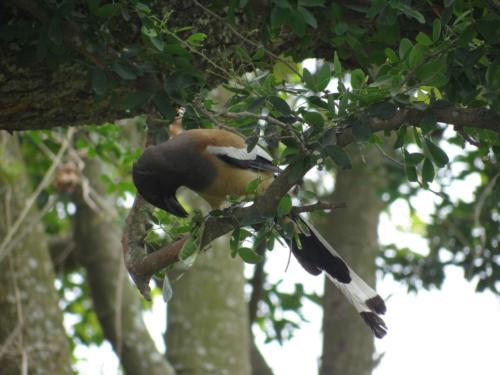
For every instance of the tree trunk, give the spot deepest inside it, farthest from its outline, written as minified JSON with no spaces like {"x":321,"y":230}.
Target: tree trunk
{"x":347,"y":343}
{"x":32,"y":336}
{"x":116,"y":302}
{"x":208,"y":318}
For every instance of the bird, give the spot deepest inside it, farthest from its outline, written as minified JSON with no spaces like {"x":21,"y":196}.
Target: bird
{"x":216,"y":163}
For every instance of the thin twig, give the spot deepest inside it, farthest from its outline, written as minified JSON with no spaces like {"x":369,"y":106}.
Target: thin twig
{"x":467,"y":137}
{"x":8,"y":341}
{"x":245,"y":39}
{"x":385,"y":155}
{"x":319,"y":206}
{"x":118,"y":309}
{"x":31,"y":200}
{"x":28,"y":226}
{"x":20,"y":318}
{"x":200,"y":108}
{"x":286,"y":127}
{"x":226,"y":75}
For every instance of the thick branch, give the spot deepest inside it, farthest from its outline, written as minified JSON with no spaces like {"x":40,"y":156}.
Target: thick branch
{"x":479,"y":118}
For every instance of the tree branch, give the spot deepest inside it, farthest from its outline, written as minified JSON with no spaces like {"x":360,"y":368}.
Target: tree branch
{"x":478,"y":118}
{"x":142,"y":266}
{"x":318,"y":206}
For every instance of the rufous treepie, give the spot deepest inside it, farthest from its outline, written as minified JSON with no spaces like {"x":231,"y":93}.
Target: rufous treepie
{"x":215,"y":164}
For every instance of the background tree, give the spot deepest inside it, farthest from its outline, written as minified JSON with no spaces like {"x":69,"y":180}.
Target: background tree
{"x":428,"y":72}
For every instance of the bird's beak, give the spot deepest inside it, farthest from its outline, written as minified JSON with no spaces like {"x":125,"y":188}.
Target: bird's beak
{"x":173,"y":206}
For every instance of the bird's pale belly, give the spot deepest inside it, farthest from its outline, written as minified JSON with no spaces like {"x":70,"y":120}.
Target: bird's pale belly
{"x":233,"y":181}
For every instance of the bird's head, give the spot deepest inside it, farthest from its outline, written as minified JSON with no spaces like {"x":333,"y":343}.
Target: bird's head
{"x":155,"y":184}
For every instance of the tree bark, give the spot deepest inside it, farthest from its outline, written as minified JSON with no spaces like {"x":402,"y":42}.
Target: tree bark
{"x":116,"y":302}
{"x":208,"y":318}
{"x":32,"y":336}
{"x":347,"y":343}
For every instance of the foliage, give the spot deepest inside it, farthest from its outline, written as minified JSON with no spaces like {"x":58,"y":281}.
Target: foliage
{"x":373,"y":64}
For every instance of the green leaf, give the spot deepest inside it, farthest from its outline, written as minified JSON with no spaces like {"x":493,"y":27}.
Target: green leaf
{"x":428,"y":170}
{"x":313,"y":118}
{"x":134,"y":100}
{"x":107,"y":10}
{"x":408,"y":11}
{"x":331,"y":104}
{"x":285,"y":205}
{"x":249,"y":255}
{"x":391,"y":55}
{"x":124,"y":71}
{"x":339,"y":156}
{"x":361,"y":131}
{"x":158,"y":42}
{"x":329,"y":137}
{"x":323,"y":77}
{"x":188,"y":248}
{"x":344,"y":101}
{"x":357,"y":78}
{"x":467,"y":35}
{"x":414,"y":158}
{"x":436,"y":30}
{"x":99,"y":82}
{"x":417,"y":137}
{"x":282,"y":3}
{"x":400,"y":140}
{"x":165,"y":107}
{"x":375,"y":7}
{"x":142,"y":8}
{"x":428,"y":122}
{"x":431,"y":70}
{"x":438,"y":155}
{"x":280,"y":105}
{"x":411,"y":173}
{"x":297,"y":171}
{"x":252,"y":186}
{"x":417,"y":55}
{"x":308,"y":17}
{"x":196,"y":40}
{"x":278,"y":17}
{"x":234,"y":243}
{"x":423,"y":39}
{"x":405,"y":47}
{"x":297,"y":22}
{"x":336,"y":65}
{"x":149,"y":31}
{"x":309,"y":80}
{"x":238,"y":235}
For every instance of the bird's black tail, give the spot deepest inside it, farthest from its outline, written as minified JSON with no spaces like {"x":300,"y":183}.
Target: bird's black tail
{"x":316,"y":255}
